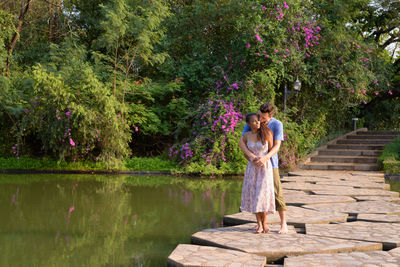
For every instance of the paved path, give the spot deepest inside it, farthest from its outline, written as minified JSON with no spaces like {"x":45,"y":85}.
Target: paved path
{"x":342,"y":218}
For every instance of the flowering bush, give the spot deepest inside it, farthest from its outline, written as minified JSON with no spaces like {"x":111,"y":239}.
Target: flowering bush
{"x":73,"y":116}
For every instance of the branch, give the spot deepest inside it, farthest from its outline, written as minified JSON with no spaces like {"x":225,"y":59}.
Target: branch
{"x":53,"y":4}
{"x":14,"y":40}
{"x":380,"y":32}
{"x":392,"y":39}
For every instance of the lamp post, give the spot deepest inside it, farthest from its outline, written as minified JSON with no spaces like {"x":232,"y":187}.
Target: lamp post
{"x":296,"y":87}
{"x":355,"y":123}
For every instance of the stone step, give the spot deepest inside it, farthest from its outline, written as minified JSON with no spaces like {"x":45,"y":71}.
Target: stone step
{"x":373,"y":137}
{"x":356,"y":147}
{"x":378,"y":133}
{"x":363,"y":141}
{"x":349,"y":159}
{"x":346,"y":152}
{"x":340,"y":166}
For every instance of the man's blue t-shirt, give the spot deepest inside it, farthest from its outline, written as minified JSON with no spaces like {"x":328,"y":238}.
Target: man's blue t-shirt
{"x":277,"y":129}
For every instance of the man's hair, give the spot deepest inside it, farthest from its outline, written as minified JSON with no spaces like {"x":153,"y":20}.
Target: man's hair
{"x":267,"y":108}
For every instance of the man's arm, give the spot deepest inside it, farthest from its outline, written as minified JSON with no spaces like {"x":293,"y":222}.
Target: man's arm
{"x":275,"y":148}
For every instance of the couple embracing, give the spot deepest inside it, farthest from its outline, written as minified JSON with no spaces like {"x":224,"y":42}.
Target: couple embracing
{"x":262,"y":191}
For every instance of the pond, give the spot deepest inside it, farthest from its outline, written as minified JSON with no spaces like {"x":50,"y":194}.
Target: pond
{"x":395,"y":186}
{"x":94,"y":220}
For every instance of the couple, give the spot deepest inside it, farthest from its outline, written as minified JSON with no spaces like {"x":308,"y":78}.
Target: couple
{"x":262,"y":190}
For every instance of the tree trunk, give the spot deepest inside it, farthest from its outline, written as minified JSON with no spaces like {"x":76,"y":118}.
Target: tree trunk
{"x":22,"y":13}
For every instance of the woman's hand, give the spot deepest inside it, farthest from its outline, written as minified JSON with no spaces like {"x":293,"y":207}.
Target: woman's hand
{"x":261,"y":161}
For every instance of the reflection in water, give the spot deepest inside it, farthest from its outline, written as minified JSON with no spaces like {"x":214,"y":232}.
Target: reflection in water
{"x":81,"y":220}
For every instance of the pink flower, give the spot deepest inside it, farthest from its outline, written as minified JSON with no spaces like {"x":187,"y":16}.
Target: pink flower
{"x":364,"y":91}
{"x":58,"y":118}
{"x":276,"y":50}
{"x":258,"y":38}
{"x":376,"y":93}
{"x":285,"y":5}
{"x":71,"y":209}
{"x":71,"y":142}
{"x":248,"y":46}
{"x":390,"y":92}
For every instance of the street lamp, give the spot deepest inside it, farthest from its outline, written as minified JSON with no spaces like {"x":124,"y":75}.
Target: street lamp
{"x":296,"y":87}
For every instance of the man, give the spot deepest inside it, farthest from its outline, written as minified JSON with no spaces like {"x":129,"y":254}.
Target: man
{"x":266,"y":113}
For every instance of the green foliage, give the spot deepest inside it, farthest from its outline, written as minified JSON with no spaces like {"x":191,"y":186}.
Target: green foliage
{"x":383,"y":115}
{"x":7,"y":29}
{"x":72,"y":113}
{"x":28,"y":163}
{"x":389,"y":160}
{"x":150,"y":164}
{"x":140,"y":75}
{"x":156,"y":108}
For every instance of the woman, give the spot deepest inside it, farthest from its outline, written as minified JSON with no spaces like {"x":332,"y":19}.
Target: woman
{"x":258,"y":184}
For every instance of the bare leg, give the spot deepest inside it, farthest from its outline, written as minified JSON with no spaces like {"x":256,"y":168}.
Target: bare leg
{"x":264,"y":222}
{"x":284,"y":229}
{"x":259,"y":223}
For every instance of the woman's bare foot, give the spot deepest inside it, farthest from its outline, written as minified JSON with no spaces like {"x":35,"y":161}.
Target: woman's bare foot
{"x":259,"y":231}
{"x":254,"y":228}
{"x":265,"y":229}
{"x":284,"y":229}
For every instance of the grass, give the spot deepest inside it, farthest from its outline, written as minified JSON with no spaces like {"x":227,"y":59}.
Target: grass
{"x":131,"y":164}
{"x":389,"y":160}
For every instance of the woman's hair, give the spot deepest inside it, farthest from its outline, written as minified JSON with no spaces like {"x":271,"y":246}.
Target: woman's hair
{"x":249,"y":115}
{"x":267,"y":108}
{"x":264,"y":134}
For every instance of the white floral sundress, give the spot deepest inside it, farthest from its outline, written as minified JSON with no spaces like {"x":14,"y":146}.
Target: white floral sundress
{"x":258,"y":183}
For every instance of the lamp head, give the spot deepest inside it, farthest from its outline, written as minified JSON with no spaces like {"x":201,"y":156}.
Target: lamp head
{"x":297,"y":85}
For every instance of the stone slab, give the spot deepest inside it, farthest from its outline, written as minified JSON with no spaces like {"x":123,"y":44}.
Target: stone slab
{"x":390,"y":199}
{"x":306,"y":199}
{"x":376,"y":207}
{"x":319,"y":173}
{"x":194,"y":255}
{"x":395,"y":251}
{"x":356,"y":192}
{"x":295,"y":216}
{"x":345,"y":175}
{"x":374,"y":258}
{"x":306,"y":179}
{"x":365,"y":179}
{"x":368,"y":173}
{"x":379,"y":218}
{"x":310,"y":187}
{"x":275,"y":246}
{"x":293,"y":192}
{"x":356,"y":184}
{"x":386,"y":233}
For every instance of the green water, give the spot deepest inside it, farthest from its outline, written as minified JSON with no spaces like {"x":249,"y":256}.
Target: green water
{"x":87,"y":220}
{"x":395,"y":186}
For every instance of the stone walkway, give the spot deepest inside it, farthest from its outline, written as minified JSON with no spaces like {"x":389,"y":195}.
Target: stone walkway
{"x":342,"y":218}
